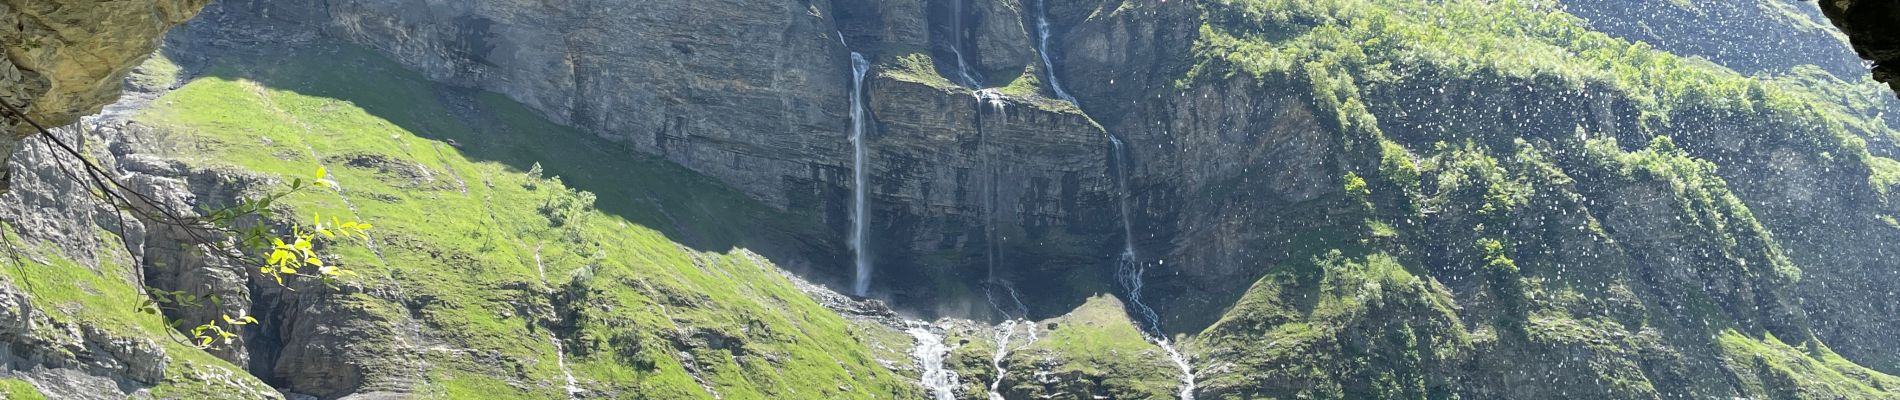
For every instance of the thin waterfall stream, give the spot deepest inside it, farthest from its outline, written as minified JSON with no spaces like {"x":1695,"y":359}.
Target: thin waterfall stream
{"x":1042,"y":49}
{"x":1003,"y":334}
{"x":572,"y":385}
{"x":1007,"y":332}
{"x":1128,"y":269}
{"x":956,"y":46}
{"x":860,"y":238}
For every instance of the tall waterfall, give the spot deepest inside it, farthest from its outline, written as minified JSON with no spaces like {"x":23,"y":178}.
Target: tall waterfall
{"x":930,"y":351}
{"x":1128,"y":268}
{"x":861,"y":283}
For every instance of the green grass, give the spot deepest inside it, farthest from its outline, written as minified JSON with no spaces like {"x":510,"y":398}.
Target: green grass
{"x":1354,"y":46}
{"x":481,"y":223}
{"x":916,"y":67}
{"x":1096,"y":351}
{"x":1769,"y":368}
{"x":1336,"y":325}
{"x":1886,"y":174}
{"x":1025,"y":88}
{"x":105,"y":297}
{"x":15,"y":389}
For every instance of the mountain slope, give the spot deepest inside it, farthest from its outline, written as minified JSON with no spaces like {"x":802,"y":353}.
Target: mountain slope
{"x":491,"y":273}
{"x":1521,"y":163}
{"x":1327,"y":199}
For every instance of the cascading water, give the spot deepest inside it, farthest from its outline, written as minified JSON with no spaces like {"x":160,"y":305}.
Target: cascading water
{"x":1128,"y":268}
{"x":1003,"y":334}
{"x":1187,"y":370}
{"x":1042,"y":49}
{"x":573,"y":386}
{"x":930,"y":351}
{"x":1006,"y":331}
{"x":956,"y":46}
{"x":861,"y":283}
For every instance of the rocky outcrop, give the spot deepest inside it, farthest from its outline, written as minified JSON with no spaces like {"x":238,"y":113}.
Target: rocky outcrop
{"x":68,"y":58}
{"x":1871,"y":26}
{"x":972,"y":190}
{"x":78,"y":337}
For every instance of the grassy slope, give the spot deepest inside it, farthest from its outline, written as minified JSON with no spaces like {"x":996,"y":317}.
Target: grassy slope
{"x":1095,"y":350}
{"x":477,"y":246}
{"x":15,"y":389}
{"x":105,"y":297}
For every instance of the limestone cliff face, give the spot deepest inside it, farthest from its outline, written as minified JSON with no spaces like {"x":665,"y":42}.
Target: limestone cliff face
{"x":64,"y":59}
{"x":756,"y":95}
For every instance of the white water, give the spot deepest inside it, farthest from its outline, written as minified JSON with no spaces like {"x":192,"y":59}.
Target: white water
{"x":861,"y":284}
{"x":560,"y":351}
{"x":560,"y":358}
{"x":992,"y":97}
{"x":929,"y":353}
{"x":1187,"y":370}
{"x":1129,"y":271}
{"x":956,"y":46}
{"x":1042,"y":48}
{"x":1003,"y":335}
{"x":1128,"y":267}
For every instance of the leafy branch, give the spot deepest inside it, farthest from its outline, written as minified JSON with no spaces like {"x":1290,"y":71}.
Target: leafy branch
{"x":294,"y":255}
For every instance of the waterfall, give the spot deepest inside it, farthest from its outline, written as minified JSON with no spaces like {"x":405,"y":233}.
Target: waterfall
{"x":1003,"y":335}
{"x":861,"y":284}
{"x":1042,"y":49}
{"x":1180,"y":361}
{"x":993,"y":98}
{"x":1128,"y":269}
{"x":930,"y":351}
{"x":956,"y":46}
{"x":1006,"y":332}
{"x":1129,"y":272}
{"x":573,"y":386}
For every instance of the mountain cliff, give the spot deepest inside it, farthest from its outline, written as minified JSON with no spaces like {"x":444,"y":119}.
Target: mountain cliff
{"x":1062,"y":199}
